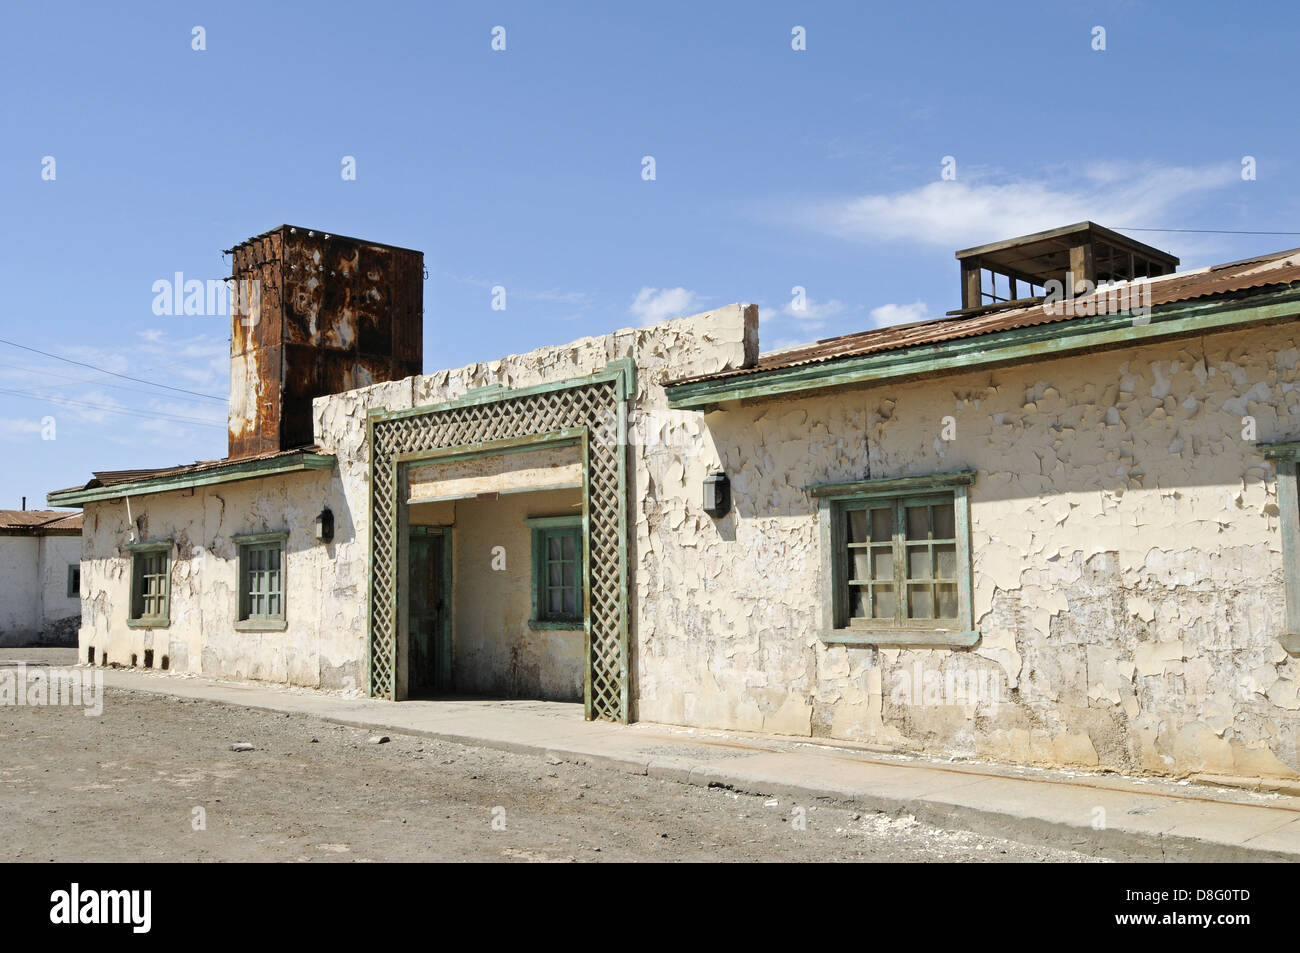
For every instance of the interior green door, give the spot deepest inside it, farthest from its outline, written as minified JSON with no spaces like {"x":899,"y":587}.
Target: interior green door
{"x":429,"y":612}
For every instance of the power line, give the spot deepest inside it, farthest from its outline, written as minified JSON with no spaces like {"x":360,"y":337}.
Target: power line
{"x":81,"y":380}
{"x":1202,"y":231}
{"x":108,"y":408}
{"x":125,"y":377}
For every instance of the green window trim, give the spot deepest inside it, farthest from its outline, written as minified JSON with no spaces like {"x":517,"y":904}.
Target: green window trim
{"x":151,"y":571}
{"x":74,"y":581}
{"x":558,"y":573}
{"x":1285,"y":457}
{"x":262,"y":588}
{"x":871,"y":546}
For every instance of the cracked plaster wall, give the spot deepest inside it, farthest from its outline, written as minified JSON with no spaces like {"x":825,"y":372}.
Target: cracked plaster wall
{"x":325,"y":598}
{"x":1128,"y":576}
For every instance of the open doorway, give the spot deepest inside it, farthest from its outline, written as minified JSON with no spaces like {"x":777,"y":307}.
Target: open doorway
{"x":494,"y":574}
{"x":429,"y":611}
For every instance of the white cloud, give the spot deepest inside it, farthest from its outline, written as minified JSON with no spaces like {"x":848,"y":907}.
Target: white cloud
{"x":653,"y":305}
{"x":20,"y":426}
{"x":890,"y":314}
{"x":974,"y":211}
{"x":814,"y":313}
{"x":785,"y":344}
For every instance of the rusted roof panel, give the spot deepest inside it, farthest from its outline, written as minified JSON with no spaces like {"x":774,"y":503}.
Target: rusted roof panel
{"x":119,"y":477}
{"x":1280,"y":268}
{"x":39,"y":521}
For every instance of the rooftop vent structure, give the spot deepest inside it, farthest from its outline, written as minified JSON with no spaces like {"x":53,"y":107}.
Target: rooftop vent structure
{"x":1013,"y":273}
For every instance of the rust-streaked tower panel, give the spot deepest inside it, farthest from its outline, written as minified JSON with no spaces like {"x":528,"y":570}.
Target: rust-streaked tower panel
{"x":328,"y":314}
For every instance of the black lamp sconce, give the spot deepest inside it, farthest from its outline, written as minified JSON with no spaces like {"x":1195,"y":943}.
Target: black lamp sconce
{"x":717,"y":494}
{"x":325,"y":526}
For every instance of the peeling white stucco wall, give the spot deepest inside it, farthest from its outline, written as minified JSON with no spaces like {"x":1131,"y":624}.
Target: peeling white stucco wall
{"x":34,"y":604}
{"x":1128,"y":577}
{"x":325,"y":583}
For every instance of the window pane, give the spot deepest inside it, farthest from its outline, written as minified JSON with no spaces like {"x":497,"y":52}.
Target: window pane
{"x":882,"y":525}
{"x":566,"y":548}
{"x":945,"y":523}
{"x":918,"y":562}
{"x":860,"y":567}
{"x":918,"y":522}
{"x":886,"y":602}
{"x":553,"y":550}
{"x":857,"y":526}
{"x":946,"y":593}
{"x":556,"y":602}
{"x":570,"y":603}
{"x":857,"y":602}
{"x":945,"y":561}
{"x":882,"y":563}
{"x":918,"y":597}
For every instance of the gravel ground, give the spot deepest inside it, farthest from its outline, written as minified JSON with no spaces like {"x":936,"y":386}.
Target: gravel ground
{"x":154,"y":779}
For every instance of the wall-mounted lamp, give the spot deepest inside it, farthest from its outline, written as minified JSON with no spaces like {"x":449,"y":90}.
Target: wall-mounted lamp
{"x":325,"y":526}
{"x":717,"y":494}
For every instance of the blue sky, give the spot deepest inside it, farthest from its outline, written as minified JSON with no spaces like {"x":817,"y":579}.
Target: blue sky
{"x":774,"y":168}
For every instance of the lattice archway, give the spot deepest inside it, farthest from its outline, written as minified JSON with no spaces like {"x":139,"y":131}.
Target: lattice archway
{"x":596,"y":405}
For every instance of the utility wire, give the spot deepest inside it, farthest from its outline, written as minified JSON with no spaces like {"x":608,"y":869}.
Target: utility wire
{"x":125,"y":377}
{"x":1202,"y":231}
{"x":34,"y":372}
{"x":108,"y":408}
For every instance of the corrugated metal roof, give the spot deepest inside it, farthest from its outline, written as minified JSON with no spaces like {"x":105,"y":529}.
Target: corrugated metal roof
{"x":39,"y":520}
{"x":117,"y":477}
{"x":1280,"y":268}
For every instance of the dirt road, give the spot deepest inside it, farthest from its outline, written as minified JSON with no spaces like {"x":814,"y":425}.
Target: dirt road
{"x":154,"y":778}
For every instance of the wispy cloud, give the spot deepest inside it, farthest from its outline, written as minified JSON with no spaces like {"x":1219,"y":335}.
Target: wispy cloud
{"x":546,"y":295}
{"x":890,"y":314}
{"x":970,"y":211}
{"x":36,"y":387}
{"x":812,"y":315}
{"x":653,"y":305}
{"x":19,"y":426}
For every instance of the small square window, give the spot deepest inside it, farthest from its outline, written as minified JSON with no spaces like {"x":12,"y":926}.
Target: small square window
{"x":896,"y":559}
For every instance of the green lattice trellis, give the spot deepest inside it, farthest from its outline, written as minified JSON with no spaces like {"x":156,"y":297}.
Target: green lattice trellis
{"x":588,"y":405}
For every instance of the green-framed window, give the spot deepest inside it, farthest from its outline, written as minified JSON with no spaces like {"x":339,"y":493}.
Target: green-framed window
{"x":262,"y":581}
{"x":558,"y":591}
{"x":74,"y":580}
{"x":1286,"y":460}
{"x":896,"y":561}
{"x":151,"y":564}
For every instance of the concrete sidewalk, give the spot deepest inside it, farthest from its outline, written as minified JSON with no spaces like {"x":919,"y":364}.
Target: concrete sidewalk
{"x":1107,"y":815}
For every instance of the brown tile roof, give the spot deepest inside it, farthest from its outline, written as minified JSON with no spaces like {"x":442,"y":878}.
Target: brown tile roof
{"x":117,"y":477}
{"x":1279,"y":268}
{"x":39,"y":521}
